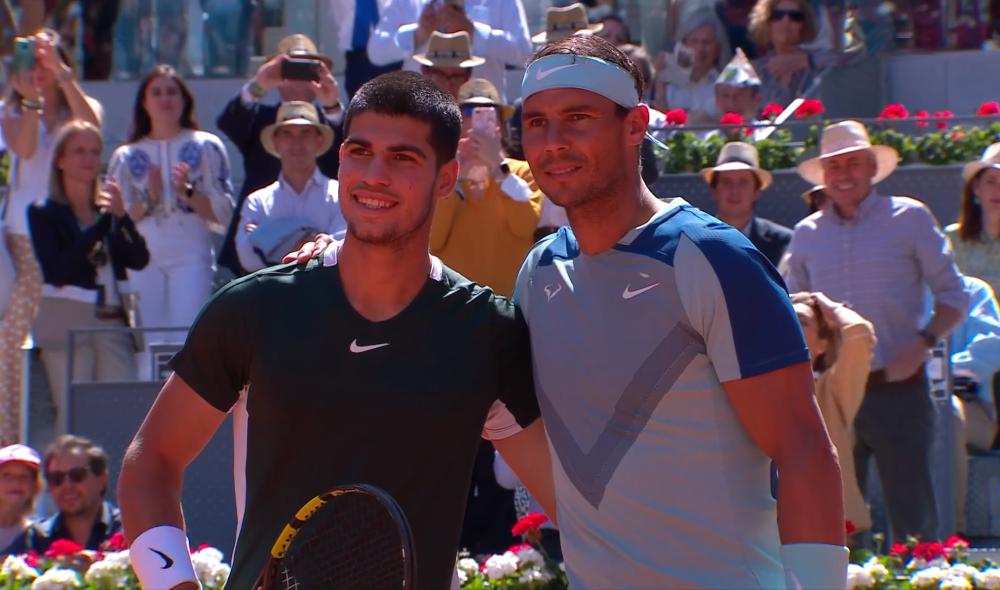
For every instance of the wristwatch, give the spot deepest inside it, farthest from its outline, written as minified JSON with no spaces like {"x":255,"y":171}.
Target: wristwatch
{"x":929,"y":338}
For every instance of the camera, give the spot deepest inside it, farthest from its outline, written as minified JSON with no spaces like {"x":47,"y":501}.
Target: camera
{"x":300,"y":69}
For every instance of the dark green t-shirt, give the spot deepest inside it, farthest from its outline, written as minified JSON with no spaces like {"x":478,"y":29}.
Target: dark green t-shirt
{"x":323,"y":397}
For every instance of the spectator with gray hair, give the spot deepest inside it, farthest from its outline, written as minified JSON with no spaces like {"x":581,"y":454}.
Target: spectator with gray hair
{"x":686,"y":78}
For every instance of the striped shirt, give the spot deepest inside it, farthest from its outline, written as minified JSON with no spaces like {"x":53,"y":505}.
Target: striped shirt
{"x":878,"y":263}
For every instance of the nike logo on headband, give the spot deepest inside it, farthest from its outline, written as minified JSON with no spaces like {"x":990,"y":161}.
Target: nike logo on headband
{"x":543,"y":74}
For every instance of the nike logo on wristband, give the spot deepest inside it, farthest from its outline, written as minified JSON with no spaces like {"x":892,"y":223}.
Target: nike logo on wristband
{"x":168,"y":561}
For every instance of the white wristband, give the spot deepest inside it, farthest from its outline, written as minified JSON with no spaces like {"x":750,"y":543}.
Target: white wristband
{"x":161,"y":558}
{"x":814,"y":566}
{"x":516,"y":188}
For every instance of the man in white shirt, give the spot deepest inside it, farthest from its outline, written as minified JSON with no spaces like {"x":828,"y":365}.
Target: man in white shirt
{"x":498,"y":28}
{"x":354,"y":21}
{"x":303,"y":198}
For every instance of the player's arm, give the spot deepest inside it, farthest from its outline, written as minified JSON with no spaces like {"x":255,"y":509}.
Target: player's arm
{"x":175,"y":431}
{"x":527,"y":454}
{"x":780,"y":414}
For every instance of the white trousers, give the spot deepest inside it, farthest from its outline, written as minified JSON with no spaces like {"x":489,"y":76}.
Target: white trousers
{"x":171,"y":293}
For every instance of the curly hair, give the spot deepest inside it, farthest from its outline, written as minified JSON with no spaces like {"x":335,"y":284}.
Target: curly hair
{"x":760,"y":22}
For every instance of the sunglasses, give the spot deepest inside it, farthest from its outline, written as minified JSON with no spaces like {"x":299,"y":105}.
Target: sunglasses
{"x":75,"y":475}
{"x":796,"y":15}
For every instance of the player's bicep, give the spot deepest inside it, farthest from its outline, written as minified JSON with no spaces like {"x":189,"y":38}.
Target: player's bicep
{"x":179,"y":424}
{"x":778,"y":409}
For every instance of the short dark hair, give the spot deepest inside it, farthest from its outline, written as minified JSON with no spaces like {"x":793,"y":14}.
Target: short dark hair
{"x":408,"y":94}
{"x":593,"y":46}
{"x":97,"y":459}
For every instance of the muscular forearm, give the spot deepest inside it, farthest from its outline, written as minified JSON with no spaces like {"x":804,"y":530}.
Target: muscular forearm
{"x":810,"y":495}
{"x":149,"y":492}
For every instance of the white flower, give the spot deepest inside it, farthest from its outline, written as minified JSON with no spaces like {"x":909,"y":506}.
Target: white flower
{"x":106,"y":574}
{"x":535,"y":577}
{"x":530,"y":555}
{"x":210,"y":554}
{"x":927,"y":577}
{"x":57,"y":578}
{"x":939,"y":562}
{"x":468,"y":565}
{"x":209,"y":567}
{"x":989,"y":579}
{"x":16,"y":565}
{"x":118,"y":559}
{"x":876,"y":569}
{"x":500,"y":566}
{"x":462,"y":576}
{"x":858,"y":577}
{"x":962,"y":570}
{"x":916,"y":564}
{"x":956,"y":583}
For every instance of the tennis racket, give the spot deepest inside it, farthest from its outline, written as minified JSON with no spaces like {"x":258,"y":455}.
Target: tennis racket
{"x":351,"y":537}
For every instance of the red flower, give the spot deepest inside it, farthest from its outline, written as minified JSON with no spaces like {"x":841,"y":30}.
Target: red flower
{"x":809,"y":108}
{"x":677,"y":117}
{"x":899,"y":550}
{"x":732,"y":119}
{"x":989,"y":108}
{"x":894,"y":111}
{"x":530,"y":523}
{"x":115,"y":542}
{"x":850,"y":528}
{"x":31,"y":558}
{"x":957,"y":543}
{"x":771,"y":111}
{"x":922,"y":115}
{"x":63,"y":548}
{"x":929,"y":551}
{"x":943,"y":115}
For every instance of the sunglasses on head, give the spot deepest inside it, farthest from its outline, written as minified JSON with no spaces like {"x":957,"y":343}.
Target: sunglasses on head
{"x":796,"y":15}
{"x":75,"y":475}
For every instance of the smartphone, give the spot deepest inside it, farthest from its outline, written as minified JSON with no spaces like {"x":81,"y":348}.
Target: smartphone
{"x":300,"y":69}
{"x":678,"y":70}
{"x":683,"y":56}
{"x":24,"y":53}
{"x":484,"y":119}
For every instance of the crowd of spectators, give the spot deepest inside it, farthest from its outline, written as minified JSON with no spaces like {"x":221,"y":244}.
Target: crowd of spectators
{"x":139,"y":245}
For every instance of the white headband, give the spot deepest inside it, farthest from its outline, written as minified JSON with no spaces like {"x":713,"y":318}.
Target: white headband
{"x":583,"y":73}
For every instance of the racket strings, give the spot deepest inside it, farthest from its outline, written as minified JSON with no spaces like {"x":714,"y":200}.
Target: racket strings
{"x":352,"y":542}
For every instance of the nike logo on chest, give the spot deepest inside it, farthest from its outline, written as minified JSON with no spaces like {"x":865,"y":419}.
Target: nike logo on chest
{"x":357,"y":348}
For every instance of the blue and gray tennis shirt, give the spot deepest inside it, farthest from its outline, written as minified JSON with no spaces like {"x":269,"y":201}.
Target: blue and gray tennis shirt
{"x":658,"y":484}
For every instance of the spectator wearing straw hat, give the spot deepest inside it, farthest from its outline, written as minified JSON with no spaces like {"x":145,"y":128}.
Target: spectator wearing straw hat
{"x":20,"y":485}
{"x":245,"y":116}
{"x":737,"y":181}
{"x":448,"y":61}
{"x":302,"y":202}
{"x":498,"y":30}
{"x":562,"y":22}
{"x":484,"y":229}
{"x":877,"y":253}
{"x":976,"y":236}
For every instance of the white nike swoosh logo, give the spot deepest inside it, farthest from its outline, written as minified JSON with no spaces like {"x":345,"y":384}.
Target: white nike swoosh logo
{"x":543,"y":74}
{"x":355,"y":347}
{"x":628,"y":293}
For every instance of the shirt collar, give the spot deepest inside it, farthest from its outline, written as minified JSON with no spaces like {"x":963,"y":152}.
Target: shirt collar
{"x":865,"y":208}
{"x":317,"y":179}
{"x":57,"y":529}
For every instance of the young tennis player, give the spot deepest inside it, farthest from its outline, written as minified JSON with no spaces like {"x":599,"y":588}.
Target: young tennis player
{"x":374,"y":364}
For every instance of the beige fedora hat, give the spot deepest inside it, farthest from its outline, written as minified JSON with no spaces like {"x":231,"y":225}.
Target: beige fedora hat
{"x":301,"y":47}
{"x":566,"y":22}
{"x":296,"y":112}
{"x":479,"y":91}
{"x":737,"y":155}
{"x":989,"y":159}
{"x":843,"y":138}
{"x":449,"y":50}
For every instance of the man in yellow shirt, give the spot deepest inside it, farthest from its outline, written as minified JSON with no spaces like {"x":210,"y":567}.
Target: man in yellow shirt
{"x":486,"y":226}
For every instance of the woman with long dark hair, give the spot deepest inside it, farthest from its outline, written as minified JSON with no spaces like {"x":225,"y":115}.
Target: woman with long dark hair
{"x":976,"y":236}
{"x":176,"y":184}
{"x":84,"y":241}
{"x":41,"y":100}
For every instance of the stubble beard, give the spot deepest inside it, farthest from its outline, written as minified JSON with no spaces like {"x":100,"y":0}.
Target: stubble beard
{"x":393,"y":235}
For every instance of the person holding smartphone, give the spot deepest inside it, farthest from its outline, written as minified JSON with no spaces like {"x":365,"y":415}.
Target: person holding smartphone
{"x":685,"y":79}
{"x":43,"y":96}
{"x":486,"y":226}
{"x":298,"y":73}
